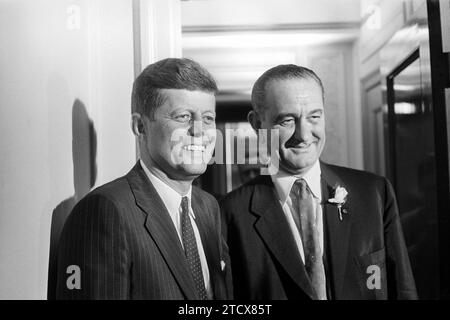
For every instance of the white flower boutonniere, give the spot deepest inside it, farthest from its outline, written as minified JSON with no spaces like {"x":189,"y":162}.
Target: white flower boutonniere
{"x":339,"y":199}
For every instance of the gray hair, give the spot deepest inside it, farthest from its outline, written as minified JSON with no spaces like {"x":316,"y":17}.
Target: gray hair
{"x":280,"y":72}
{"x":170,"y":73}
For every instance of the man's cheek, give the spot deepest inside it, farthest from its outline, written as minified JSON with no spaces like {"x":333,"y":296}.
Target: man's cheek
{"x":211,"y":135}
{"x":284,"y":137}
{"x":176,"y":148}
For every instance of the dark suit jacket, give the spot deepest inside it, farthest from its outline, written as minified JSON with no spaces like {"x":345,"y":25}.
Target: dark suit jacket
{"x":124,"y":241}
{"x":265,"y":260}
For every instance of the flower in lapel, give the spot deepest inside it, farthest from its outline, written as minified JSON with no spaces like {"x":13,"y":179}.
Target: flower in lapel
{"x":339,"y":199}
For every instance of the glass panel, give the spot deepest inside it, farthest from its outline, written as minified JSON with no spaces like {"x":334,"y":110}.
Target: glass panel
{"x":415,"y":175}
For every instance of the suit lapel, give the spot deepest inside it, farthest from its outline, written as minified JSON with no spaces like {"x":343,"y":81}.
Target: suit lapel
{"x":210,"y":243}
{"x":161,"y":229}
{"x":276,"y":234}
{"x":337,"y":232}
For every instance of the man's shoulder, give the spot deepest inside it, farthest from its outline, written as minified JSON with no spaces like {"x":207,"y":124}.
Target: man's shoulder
{"x":113,"y":191}
{"x":352,"y":175}
{"x":355,"y":181}
{"x":106,"y":199}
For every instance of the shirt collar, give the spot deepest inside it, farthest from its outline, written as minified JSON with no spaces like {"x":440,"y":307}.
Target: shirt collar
{"x":170,"y":197}
{"x":284,"y":181}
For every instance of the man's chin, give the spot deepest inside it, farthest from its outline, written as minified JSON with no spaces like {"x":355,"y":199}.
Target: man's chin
{"x":297,"y":167}
{"x":193,"y":170}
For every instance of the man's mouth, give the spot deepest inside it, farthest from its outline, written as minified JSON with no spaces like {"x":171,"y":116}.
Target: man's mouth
{"x":194,"y":147}
{"x":304,"y":145}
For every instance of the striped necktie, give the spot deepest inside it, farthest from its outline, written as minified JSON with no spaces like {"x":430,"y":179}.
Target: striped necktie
{"x":305,"y":219}
{"x":190,"y":249}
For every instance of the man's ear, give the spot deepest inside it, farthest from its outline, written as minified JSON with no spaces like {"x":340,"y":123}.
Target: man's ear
{"x":137,"y":124}
{"x":254,"y":119}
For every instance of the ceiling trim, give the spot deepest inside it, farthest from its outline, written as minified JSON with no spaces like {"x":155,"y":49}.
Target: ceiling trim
{"x":272,"y":27}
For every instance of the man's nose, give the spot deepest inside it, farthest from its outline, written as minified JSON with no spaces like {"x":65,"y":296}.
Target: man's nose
{"x":195,"y":128}
{"x":302,"y":131}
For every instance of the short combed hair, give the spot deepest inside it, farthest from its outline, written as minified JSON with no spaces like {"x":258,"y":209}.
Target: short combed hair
{"x":280,"y":72}
{"x":170,"y":73}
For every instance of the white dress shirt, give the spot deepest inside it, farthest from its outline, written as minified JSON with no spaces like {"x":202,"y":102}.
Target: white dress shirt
{"x":172,"y":201}
{"x":283,"y":182}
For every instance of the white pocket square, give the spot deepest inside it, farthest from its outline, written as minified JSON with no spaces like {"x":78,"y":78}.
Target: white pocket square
{"x":222,"y":265}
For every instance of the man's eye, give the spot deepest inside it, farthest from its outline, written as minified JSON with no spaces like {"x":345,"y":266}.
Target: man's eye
{"x":209,"y":119}
{"x":316,"y":116}
{"x":287,"y":122}
{"x":183,"y":117}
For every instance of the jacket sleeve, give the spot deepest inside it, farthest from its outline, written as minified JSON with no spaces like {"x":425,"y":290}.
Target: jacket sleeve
{"x":93,"y":254}
{"x":401,"y":285}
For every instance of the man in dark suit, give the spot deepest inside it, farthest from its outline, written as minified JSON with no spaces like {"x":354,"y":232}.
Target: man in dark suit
{"x":150,"y":234}
{"x":311,"y":230}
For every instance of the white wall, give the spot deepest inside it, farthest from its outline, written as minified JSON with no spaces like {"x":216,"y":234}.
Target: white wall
{"x":111,"y":83}
{"x":47,"y":63}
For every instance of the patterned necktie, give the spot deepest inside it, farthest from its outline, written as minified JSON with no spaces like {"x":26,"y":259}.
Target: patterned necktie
{"x":190,"y":249}
{"x":305,"y":219}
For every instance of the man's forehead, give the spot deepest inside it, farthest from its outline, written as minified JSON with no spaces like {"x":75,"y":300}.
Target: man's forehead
{"x":186,"y":92}
{"x":183,"y":99}
{"x":294,"y":91}
{"x":187,"y":96}
{"x":301,"y":87}
{"x":291,"y":96}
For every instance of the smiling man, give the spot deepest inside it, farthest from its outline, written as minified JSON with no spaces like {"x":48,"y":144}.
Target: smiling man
{"x":312,"y":230}
{"x":151,"y":234}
